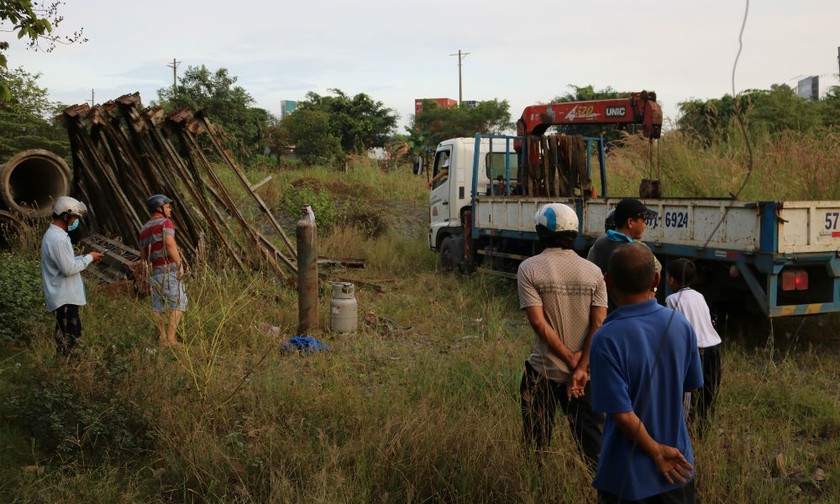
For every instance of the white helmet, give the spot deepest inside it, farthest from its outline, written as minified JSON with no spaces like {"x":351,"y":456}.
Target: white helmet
{"x":556,"y":217}
{"x":68,"y":205}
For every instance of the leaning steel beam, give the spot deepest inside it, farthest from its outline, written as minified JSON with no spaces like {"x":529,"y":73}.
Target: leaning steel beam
{"x":187,"y":137}
{"x":245,"y":182}
{"x":176,"y":163}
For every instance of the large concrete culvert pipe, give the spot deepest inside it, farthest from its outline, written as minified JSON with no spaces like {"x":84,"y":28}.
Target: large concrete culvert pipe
{"x":31,"y":180}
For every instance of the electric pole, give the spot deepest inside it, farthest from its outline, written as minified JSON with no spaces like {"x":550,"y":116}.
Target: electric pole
{"x":461,"y":57}
{"x":92,"y":102}
{"x":174,"y":67}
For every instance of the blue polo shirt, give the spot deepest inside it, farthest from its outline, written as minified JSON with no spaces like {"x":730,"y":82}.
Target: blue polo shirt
{"x":643,"y":359}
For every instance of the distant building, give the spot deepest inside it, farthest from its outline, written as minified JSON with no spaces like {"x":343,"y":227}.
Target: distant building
{"x":809,"y":88}
{"x":443,"y":102}
{"x":470,"y":104}
{"x":287,"y":107}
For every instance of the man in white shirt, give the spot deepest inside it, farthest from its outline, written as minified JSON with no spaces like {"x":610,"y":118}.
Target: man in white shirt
{"x":61,"y":269}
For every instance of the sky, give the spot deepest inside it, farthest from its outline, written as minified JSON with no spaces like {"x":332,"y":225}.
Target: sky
{"x":525,"y":53}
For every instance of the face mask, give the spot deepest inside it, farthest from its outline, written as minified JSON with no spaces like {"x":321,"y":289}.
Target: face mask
{"x":72,"y":227}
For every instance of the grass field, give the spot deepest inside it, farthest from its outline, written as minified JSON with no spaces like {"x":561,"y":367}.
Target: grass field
{"x":421,"y":405}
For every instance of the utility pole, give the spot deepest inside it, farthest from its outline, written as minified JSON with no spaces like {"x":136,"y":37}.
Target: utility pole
{"x":92,"y":102}
{"x":838,"y":58}
{"x":174,"y":67}
{"x":461,"y":57}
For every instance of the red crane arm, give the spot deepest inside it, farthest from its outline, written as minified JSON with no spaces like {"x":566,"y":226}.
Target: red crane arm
{"x":638,"y":108}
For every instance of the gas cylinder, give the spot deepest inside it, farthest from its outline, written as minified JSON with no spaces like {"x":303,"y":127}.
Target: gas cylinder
{"x":343,"y":308}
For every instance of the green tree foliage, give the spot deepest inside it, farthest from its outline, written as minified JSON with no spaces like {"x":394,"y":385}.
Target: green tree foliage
{"x":309,"y":131}
{"x":228,"y":106}
{"x":437,"y":123}
{"x":831,"y":108}
{"x":773,"y":110}
{"x":706,"y":119}
{"x":360,"y":122}
{"x":25,"y":118}
{"x":33,"y":20}
{"x":584,"y":93}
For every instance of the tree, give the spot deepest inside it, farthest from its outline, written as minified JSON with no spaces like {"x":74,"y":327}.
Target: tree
{"x":771,"y":110}
{"x":437,"y":123}
{"x":227,"y":105}
{"x":831,"y":107}
{"x":780,"y":108}
{"x":708,"y":120}
{"x":583,"y":93}
{"x":25,"y":118}
{"x":360,"y":122}
{"x":310,"y":133}
{"x":36,"y":21}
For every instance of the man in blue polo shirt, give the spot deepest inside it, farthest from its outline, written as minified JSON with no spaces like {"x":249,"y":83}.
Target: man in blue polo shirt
{"x":643,"y":359}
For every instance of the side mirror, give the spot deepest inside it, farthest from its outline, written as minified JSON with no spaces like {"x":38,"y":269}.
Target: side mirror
{"x":417,"y":169}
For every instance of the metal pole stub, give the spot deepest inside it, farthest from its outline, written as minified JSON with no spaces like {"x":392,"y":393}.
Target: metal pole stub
{"x":307,"y":235}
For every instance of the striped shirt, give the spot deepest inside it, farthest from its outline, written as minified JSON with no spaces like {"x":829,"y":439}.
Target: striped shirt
{"x":151,"y":240}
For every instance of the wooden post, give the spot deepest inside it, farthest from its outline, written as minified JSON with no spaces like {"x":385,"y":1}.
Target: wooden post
{"x":307,"y":269}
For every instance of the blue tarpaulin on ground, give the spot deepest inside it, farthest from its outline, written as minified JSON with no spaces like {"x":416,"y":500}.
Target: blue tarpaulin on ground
{"x":304,"y":345}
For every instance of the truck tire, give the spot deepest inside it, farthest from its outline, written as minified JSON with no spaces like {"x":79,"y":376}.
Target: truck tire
{"x":447,"y":254}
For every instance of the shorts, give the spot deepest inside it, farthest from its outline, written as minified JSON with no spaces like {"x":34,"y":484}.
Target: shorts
{"x":167,"y":293}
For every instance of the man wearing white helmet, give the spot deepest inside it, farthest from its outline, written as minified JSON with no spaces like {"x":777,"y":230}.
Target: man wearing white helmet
{"x":61,"y":269}
{"x":158,"y":246}
{"x":565,"y":299}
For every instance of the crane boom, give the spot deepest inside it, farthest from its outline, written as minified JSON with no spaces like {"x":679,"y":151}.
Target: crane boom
{"x":638,"y":108}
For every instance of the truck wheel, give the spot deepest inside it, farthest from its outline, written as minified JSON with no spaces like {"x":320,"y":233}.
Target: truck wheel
{"x":447,"y":254}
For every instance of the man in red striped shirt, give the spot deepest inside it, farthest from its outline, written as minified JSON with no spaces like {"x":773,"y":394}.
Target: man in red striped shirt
{"x":158,"y":246}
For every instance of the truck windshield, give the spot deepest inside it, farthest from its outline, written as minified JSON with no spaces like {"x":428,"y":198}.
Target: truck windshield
{"x":494,"y":163}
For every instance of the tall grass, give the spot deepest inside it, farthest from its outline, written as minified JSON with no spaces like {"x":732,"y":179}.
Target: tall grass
{"x":419,"y":405}
{"x":785,"y":166}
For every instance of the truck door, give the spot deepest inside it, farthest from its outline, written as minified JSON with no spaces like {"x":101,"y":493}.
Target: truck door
{"x":439,"y":204}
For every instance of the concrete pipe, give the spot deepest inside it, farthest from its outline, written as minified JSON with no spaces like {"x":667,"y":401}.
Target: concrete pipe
{"x":31,"y":180}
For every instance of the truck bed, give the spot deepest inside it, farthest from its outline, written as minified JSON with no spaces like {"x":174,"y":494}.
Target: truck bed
{"x":790,"y":227}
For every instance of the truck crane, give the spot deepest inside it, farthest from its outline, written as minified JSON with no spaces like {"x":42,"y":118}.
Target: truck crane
{"x":780,"y":258}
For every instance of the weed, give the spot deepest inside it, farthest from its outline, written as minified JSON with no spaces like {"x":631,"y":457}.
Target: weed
{"x":21,"y":296}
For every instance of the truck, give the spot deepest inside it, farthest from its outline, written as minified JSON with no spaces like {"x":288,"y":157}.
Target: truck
{"x":778,"y":258}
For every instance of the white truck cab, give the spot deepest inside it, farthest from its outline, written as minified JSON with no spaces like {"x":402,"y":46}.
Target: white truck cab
{"x":451,"y":194}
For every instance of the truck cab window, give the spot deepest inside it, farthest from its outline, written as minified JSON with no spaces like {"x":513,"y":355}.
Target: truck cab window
{"x":441,"y":170}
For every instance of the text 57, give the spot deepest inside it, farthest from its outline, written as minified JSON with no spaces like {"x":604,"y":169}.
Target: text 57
{"x":831,"y":220}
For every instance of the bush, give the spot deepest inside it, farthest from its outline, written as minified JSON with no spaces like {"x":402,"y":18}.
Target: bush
{"x":82,"y":414}
{"x":21,"y":296}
